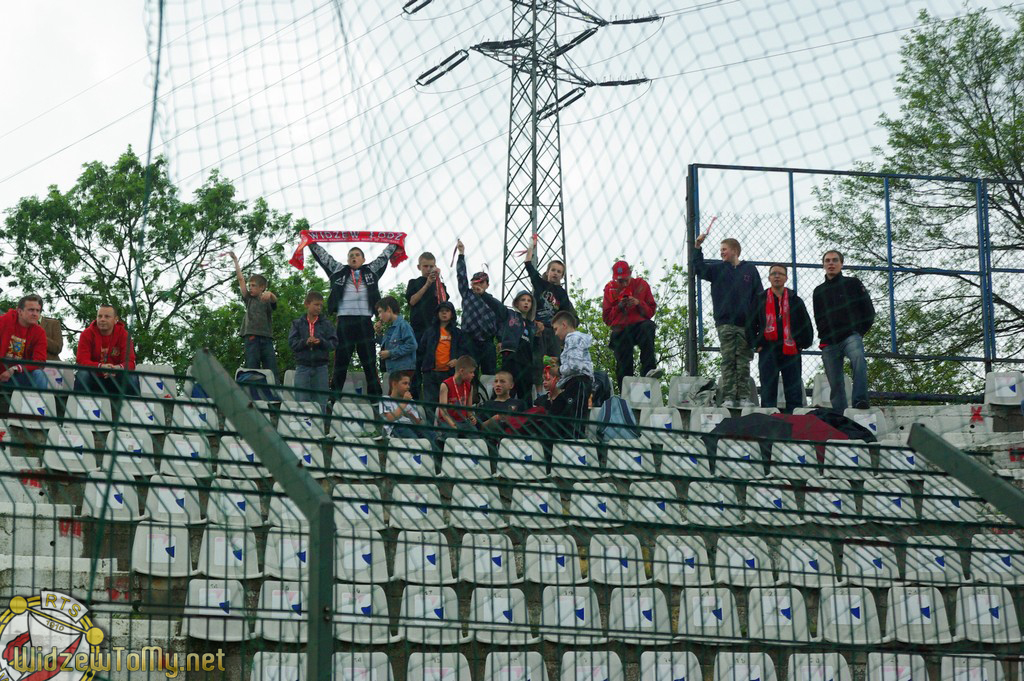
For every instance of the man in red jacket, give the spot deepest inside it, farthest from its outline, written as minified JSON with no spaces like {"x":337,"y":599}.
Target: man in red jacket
{"x":628,"y":308}
{"x":21,"y":338}
{"x":105,"y":345}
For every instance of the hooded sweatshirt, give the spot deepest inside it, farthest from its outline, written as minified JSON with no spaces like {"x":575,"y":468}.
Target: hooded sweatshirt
{"x":518,"y":328}
{"x":575,"y":358}
{"x":427,"y":343}
{"x":20,"y":343}
{"x":94,"y":348}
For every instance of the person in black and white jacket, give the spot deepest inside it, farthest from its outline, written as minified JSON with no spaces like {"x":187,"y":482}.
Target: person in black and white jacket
{"x":353,"y":297}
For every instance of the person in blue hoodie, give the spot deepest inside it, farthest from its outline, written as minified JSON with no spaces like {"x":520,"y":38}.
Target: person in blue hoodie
{"x":398,"y":343}
{"x":516,"y":344}
{"x":439,"y":347}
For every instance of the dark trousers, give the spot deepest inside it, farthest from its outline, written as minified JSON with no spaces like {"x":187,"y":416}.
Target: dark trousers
{"x":355,"y":334}
{"x":520,"y":365}
{"x":432,"y":381}
{"x":622,"y":342}
{"x":770,"y":363}
{"x":259,"y":354}
{"x":91,"y":383}
{"x":485,"y":355}
{"x":572,"y":403}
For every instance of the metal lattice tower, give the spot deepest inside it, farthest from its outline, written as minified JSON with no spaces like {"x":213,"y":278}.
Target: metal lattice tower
{"x":533,"y":189}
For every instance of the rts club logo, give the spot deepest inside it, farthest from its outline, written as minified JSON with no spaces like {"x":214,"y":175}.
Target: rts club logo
{"x":48,"y":637}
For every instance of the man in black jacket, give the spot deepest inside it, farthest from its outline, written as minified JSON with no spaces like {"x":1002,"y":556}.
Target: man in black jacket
{"x":778,"y":327}
{"x":843,"y":313}
{"x":551,"y":297}
{"x":354,"y":295}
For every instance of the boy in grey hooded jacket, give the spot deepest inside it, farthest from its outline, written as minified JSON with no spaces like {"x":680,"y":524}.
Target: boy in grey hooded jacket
{"x":576,"y":369}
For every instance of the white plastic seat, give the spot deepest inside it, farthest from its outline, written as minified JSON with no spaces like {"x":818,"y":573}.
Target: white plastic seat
{"x":888,"y":500}
{"x":112,"y":499}
{"x":997,"y":559}
{"x":641,"y":391}
{"x":743,"y":667}
{"x":847,"y":459}
{"x":538,"y":507}
{"x":499,"y":617}
{"x":438,"y":666}
{"x":916,"y":614}
{"x":310,"y":456}
{"x":818,"y":667}
{"x":895,"y":667}
{"x":681,"y":561}
{"x":639,"y":616}
{"x":685,"y":457}
{"x":709,"y":615}
{"x":899,"y":461}
{"x":235,"y":503}
{"x":575,"y":460}
{"x":174,"y":500}
{"x":410,"y":457}
{"x":630,"y":459}
{"x":933,"y":560}
{"x":571,"y":615}
{"x":704,"y":419}
{"x":743,"y":561}
{"x":807,"y":562}
{"x":416,"y":507}
{"x":237,"y":459}
{"x":777,"y":614}
{"x":674,"y":665}
{"x":591,"y":665}
{"x":132,"y":452}
{"x":1004,"y":388}
{"x":360,"y":557}
{"x":214,"y":611}
{"x":161,"y":550}
{"x":281,"y":615}
{"x":69,"y":449}
{"x":971,"y":668}
{"x":516,"y":665}
{"x":228,"y":553}
{"x":430,"y":616}
{"x":738,"y":460}
{"x":356,"y":456}
{"x":195,"y":414}
{"x":821,"y":392}
{"x":985,"y":614}
{"x":350,"y":420}
{"x":870,"y":561}
{"x":361,"y":666}
{"x":680,"y":389}
{"x":358,"y":507}
{"x":713,"y":503}
{"x":794,"y":460}
{"x":773,"y":505}
{"x":466,"y":459}
{"x":873,"y":419}
{"x":186,"y":455}
{"x":141,"y":412}
{"x":616,"y":559}
{"x":361,"y":615}
{"x":294,"y":422}
{"x":948,"y":500}
{"x":552,"y":559}
{"x":655,"y":501}
{"x":659,"y":423}
{"x":355,"y":383}
{"x":32,"y":410}
{"x":848,"y":615}
{"x":160,"y":383}
{"x":487,"y":559}
{"x":521,"y":460}
{"x":284,"y":512}
{"x":286,"y":555}
{"x":278,"y":666}
{"x":595,"y":504}
{"x":830,"y":502}
{"x":95,"y":411}
{"x":60,"y":377}
{"x":423,"y":558}
{"x":477,"y":507}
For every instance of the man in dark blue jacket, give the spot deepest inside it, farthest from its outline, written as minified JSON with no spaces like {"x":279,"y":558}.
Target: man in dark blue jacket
{"x":311,"y":339}
{"x":734,"y":287}
{"x":483,"y":315}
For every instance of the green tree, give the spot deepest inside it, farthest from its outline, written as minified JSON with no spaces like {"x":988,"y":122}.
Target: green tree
{"x":83,"y":246}
{"x":961,"y":114}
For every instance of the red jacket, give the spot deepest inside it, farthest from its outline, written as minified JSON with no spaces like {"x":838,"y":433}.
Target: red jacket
{"x":616,"y":314}
{"x":18,"y":342}
{"x":94,"y":348}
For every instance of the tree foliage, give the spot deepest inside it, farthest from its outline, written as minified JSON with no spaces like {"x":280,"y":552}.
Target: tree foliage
{"x":961,"y":114}
{"x":84,"y":246}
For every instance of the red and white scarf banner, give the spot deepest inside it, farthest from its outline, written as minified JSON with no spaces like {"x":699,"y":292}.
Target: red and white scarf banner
{"x":307,"y":237}
{"x":771,"y":329}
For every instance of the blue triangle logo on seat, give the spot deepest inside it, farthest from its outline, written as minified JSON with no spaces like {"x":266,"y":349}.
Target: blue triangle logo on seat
{"x":941,"y":560}
{"x":96,"y":413}
{"x":801,"y":458}
{"x":690,"y":562}
{"x":838,"y":503}
{"x":560,"y":560}
{"x":750,"y":562}
{"x":543,"y":507}
{"x":365,"y":508}
{"x":661,"y":505}
{"x":170,"y":551}
{"x":855,"y":458}
{"x":180,"y":502}
{"x":119,"y":498}
{"x":638,"y":458}
{"x":787,"y":613}
{"x":367,"y":610}
{"x":194,"y":455}
{"x":432,"y":558}
{"x":250,"y":456}
{"x":692,"y":459}
{"x":507,"y":614}
{"x":602,"y":506}
{"x":956,"y":502}
{"x":582,"y":459}
{"x":898,"y":501}
{"x":777,"y":503}
{"x":528,"y":457}
{"x":668,"y":426}
{"x":926,"y":612}
{"x":202,"y":416}
{"x":877,"y":562}
{"x":1006,"y":560}
{"x":423,"y":509}
{"x":160,"y":385}
{"x":241,"y":505}
{"x":814,"y":564}
{"x":581,"y":614}
{"x":439,"y":612}
{"x":308,"y":458}
{"x":911,"y":459}
{"x":717,"y":612}
{"x":302,"y":556}
{"x":648,"y":615}
{"x":237,"y":553}
{"x":225,"y":606}
{"x":297,"y":607}
{"x":496,"y":560}
{"x":647,"y":394}
{"x":855,"y":612}
{"x":994,"y":612}
{"x":624,"y":562}
{"x":151,"y":416}
{"x":367,"y":558}
{"x":363,"y":459}
{"x":418,"y":458}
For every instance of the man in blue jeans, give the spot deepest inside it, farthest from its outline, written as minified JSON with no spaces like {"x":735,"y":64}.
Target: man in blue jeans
{"x":843,"y":314}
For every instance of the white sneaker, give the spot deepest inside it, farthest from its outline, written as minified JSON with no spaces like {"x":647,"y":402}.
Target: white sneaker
{"x":655,"y":373}
{"x":747,"y":402}
{"x":730,"y":404}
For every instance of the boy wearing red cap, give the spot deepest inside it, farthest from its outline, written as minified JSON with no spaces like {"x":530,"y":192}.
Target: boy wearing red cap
{"x":628,"y":308}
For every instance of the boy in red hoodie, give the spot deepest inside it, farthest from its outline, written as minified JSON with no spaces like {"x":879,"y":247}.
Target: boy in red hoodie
{"x":105,"y":345}
{"x":21,"y":338}
{"x":628,"y":308}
